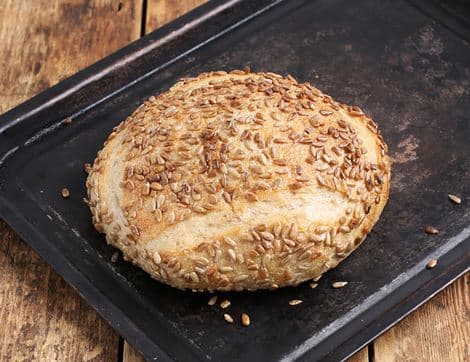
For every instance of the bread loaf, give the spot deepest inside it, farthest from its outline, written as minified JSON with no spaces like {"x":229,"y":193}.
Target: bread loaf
{"x":239,"y":181}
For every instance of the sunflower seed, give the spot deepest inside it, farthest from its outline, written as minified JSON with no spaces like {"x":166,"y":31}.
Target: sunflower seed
{"x":337,"y":285}
{"x":245,"y":319}
{"x":455,"y":199}
{"x":225,"y":304}
{"x":212,"y":301}
{"x":157,"y":258}
{"x":65,"y":193}
{"x":228,"y":318}
{"x":431,"y":230}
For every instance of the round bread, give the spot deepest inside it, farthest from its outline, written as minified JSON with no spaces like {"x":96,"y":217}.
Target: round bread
{"x":234,"y":181}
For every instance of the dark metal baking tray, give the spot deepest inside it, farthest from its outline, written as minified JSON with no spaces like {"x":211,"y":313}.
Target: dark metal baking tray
{"x":404,"y":62}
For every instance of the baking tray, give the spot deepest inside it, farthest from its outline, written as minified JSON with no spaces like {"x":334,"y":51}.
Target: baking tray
{"x":406,"y":63}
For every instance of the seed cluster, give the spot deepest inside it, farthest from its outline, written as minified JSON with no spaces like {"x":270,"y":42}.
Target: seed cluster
{"x":224,"y":140}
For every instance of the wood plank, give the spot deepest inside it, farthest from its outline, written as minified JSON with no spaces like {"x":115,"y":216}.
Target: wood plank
{"x":130,"y":354}
{"x":42,"y":317}
{"x":437,"y":331}
{"x":360,"y":356}
{"x":160,"y":12}
{"x":44,"y":41}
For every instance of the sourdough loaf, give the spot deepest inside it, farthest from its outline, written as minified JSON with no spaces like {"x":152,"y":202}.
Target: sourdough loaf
{"x":233,"y":181}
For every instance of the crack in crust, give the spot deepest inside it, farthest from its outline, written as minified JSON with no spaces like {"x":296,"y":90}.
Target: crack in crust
{"x":232,"y":181}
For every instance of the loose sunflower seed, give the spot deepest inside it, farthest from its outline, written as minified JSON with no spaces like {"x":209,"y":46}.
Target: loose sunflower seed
{"x":115,"y":257}
{"x":431,"y":230}
{"x":245,"y":319}
{"x":65,"y":193}
{"x":337,"y":285}
{"x":455,"y":199}
{"x":431,"y":264}
{"x":228,"y":318}
{"x":225,"y":304}
{"x":212,"y":301}
{"x":295,"y":302}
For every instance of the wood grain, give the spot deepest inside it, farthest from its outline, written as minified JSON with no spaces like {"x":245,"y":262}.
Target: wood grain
{"x":437,"y":331}
{"x":160,"y":12}
{"x":130,"y":354}
{"x":44,"y":41}
{"x":360,"y":356}
{"x":42,"y":317}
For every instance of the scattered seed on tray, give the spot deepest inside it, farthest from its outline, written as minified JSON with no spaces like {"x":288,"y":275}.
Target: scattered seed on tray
{"x":317,"y":278}
{"x":114,"y":257}
{"x":68,"y":120}
{"x":295,"y":302}
{"x":455,"y":199}
{"x":65,"y":193}
{"x":313,"y":285}
{"x":225,"y":304}
{"x":228,"y":318}
{"x":431,"y":264}
{"x":212,"y":301}
{"x":431,"y":230}
{"x":337,"y":285}
{"x":245,"y":319}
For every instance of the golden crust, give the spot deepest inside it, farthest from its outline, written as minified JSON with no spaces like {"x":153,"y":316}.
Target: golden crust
{"x":232,"y":181}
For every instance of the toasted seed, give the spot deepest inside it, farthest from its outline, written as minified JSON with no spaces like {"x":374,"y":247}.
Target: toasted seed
{"x":227,"y":197}
{"x":337,"y":285}
{"x":229,"y":241}
{"x":65,"y":193}
{"x":228,"y":318}
{"x":87,"y":167}
{"x":295,"y":301}
{"x":225,"y":304}
{"x":171,"y":217}
{"x":194,"y":277}
{"x":157,"y":258}
{"x":158,"y":215}
{"x":212,"y":301}
{"x":156,"y":186}
{"x":115,"y":257}
{"x":316,"y":279}
{"x":231,"y":254}
{"x":326,"y":112}
{"x":251,"y":196}
{"x":267,"y":236}
{"x":431,"y":230}
{"x":68,"y":120}
{"x":160,"y":201}
{"x":313,"y":285}
{"x":431,"y":264}
{"x":455,"y":199}
{"x":245,"y":319}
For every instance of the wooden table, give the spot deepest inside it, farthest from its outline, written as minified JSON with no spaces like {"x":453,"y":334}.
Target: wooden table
{"x":41,"y":43}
